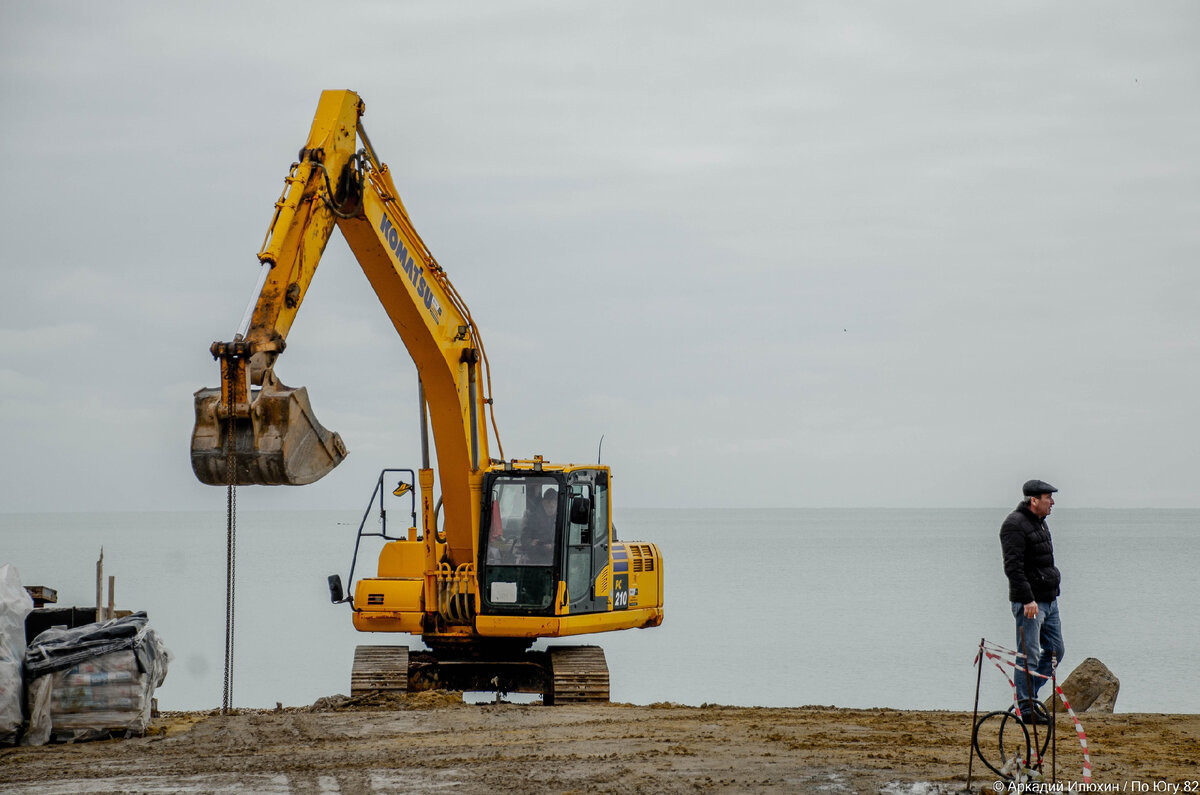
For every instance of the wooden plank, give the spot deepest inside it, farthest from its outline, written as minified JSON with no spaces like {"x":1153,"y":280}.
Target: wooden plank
{"x":42,"y":595}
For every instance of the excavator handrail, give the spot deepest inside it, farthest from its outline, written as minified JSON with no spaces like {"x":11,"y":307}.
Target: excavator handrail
{"x":378,"y":492}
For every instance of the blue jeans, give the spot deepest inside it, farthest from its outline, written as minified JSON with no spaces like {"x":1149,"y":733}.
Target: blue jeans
{"x":1042,"y":637}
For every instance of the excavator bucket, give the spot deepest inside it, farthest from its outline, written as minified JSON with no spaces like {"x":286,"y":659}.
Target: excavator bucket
{"x":277,"y":442}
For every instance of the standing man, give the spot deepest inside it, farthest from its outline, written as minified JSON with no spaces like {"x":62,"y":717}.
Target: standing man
{"x":1033,"y":590}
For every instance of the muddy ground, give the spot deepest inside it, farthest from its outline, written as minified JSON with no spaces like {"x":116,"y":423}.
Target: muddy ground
{"x":434,"y":742}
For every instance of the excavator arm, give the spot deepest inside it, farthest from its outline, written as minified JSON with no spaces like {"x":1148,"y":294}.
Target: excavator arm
{"x":253,"y":429}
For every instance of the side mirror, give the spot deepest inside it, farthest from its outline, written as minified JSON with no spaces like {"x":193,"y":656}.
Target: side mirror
{"x":336,"y":595}
{"x":581,"y":510}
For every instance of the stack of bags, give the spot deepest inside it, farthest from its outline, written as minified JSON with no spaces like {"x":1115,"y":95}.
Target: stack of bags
{"x":93,"y":681}
{"x":15,"y":605}
{"x":107,"y":692}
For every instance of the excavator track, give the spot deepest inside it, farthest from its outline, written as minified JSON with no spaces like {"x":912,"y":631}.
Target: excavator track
{"x":562,"y":674}
{"x":379,"y":668}
{"x":579,"y":674}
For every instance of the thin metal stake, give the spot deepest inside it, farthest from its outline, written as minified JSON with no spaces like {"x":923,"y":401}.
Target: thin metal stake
{"x":1029,"y":691}
{"x":974,"y":714}
{"x":99,"y":587}
{"x":1054,"y":719}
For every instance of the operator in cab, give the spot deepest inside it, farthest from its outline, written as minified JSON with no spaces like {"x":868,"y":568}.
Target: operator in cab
{"x":537,"y":543}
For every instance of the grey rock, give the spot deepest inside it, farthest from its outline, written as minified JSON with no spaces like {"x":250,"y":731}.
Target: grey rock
{"x":1091,"y":687}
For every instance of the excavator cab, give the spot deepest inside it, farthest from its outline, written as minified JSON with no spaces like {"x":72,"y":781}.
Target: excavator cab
{"x":540,"y":531}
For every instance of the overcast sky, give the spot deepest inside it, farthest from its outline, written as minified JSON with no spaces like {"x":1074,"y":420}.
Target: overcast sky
{"x":778,"y":254}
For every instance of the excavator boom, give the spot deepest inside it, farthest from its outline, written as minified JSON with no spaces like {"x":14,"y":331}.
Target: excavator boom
{"x":254,"y":430}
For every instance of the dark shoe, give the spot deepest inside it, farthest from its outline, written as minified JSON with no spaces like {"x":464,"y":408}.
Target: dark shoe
{"x":1040,"y":718}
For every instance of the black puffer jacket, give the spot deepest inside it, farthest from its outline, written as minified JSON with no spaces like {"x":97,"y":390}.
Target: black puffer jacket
{"x":1028,"y":557}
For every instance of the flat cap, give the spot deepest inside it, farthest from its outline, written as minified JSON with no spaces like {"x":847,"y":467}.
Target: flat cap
{"x":1036,"y":488}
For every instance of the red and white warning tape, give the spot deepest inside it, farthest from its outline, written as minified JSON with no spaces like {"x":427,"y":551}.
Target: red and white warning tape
{"x":1009,"y":659}
{"x":1087,"y":760}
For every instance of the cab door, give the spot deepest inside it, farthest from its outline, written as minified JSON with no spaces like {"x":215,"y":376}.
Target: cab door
{"x":587,"y":544}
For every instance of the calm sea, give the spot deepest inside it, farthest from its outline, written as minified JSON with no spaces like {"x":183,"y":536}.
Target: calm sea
{"x":854,"y":608}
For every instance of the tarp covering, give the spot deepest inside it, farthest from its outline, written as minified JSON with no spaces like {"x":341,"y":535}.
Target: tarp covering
{"x":15,"y":605}
{"x":93,"y":681}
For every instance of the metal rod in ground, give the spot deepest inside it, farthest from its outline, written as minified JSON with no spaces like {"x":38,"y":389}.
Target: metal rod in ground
{"x":1029,"y":693}
{"x":1054,"y":718}
{"x":100,"y":586}
{"x":975,"y":712}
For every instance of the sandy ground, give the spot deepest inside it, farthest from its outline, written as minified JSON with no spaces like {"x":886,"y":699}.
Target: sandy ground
{"x":434,"y":742}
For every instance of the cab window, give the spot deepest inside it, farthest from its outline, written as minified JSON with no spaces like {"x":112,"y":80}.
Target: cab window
{"x":519,"y":537}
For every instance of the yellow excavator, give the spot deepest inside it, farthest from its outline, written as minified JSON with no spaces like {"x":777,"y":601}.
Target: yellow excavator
{"x":512,"y":550}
